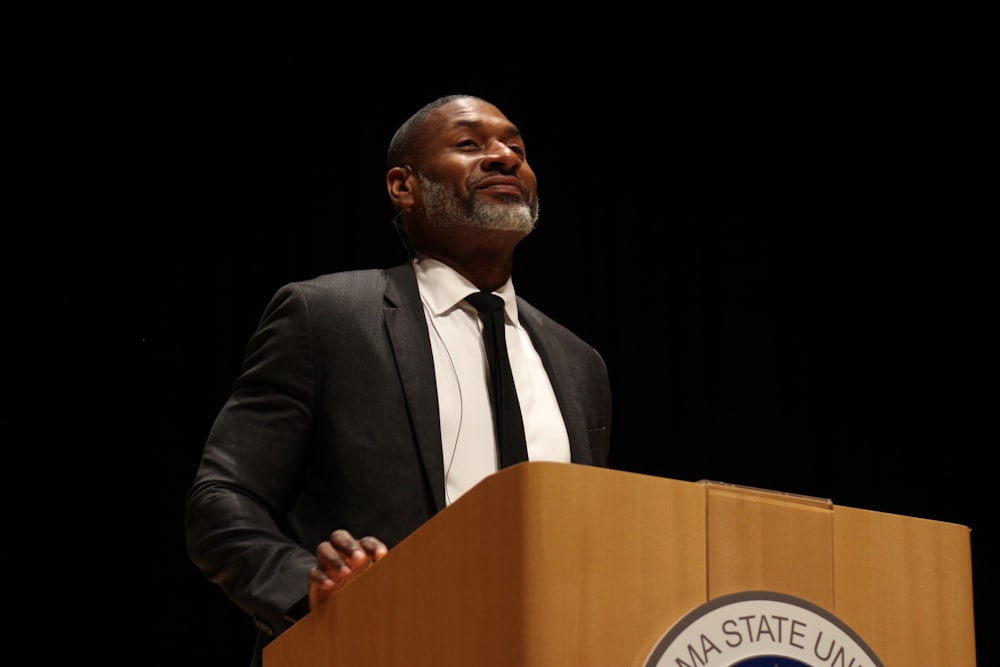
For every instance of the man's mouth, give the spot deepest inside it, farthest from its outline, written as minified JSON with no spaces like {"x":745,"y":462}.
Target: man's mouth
{"x":503,"y":185}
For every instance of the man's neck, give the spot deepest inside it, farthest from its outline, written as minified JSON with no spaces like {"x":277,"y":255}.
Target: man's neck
{"x":484,"y":257}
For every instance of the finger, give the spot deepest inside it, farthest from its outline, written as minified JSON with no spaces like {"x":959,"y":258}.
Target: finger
{"x":321,"y":587}
{"x":374,"y":547}
{"x":355,"y":553}
{"x":343,"y":540}
{"x":320,"y":579}
{"x":331,"y":561}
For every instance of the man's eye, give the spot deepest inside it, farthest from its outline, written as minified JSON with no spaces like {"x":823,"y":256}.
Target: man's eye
{"x":467,"y":143}
{"x":517,"y":149}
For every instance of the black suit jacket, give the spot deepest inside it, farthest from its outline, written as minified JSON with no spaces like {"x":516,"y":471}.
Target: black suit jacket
{"x":334,"y":423}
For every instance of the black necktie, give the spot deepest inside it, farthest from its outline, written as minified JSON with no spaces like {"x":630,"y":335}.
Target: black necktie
{"x":507,"y":422}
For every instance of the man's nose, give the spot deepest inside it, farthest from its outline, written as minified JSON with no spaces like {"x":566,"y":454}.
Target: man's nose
{"x":500,"y":156}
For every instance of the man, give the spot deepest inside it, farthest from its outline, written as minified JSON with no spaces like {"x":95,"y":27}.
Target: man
{"x":364,"y":405}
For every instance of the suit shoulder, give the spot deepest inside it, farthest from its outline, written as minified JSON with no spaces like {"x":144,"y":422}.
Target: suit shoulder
{"x":359,"y":278}
{"x":359,"y":288}
{"x":330,"y":292}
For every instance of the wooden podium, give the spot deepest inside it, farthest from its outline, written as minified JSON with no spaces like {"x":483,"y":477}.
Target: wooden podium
{"x":559,"y":564}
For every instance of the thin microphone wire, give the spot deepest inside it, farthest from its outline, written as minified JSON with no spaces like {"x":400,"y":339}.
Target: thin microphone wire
{"x":401,"y":233}
{"x":461,"y":402}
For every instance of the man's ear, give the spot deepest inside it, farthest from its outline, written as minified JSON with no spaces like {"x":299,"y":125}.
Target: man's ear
{"x":400,"y":181}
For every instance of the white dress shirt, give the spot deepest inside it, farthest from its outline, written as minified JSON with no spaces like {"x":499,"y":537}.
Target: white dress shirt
{"x":467,"y":435}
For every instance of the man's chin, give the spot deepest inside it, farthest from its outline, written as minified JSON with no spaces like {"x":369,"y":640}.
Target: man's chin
{"x":515,"y":215}
{"x":508,"y":199}
{"x":514,"y":220}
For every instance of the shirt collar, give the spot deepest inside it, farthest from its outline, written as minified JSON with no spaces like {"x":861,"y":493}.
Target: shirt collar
{"x":443,"y":288}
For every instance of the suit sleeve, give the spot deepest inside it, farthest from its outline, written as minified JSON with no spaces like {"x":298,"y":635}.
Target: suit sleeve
{"x":251,"y":467}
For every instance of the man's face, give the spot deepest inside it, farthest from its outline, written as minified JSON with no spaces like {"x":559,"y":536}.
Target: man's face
{"x":474,"y":171}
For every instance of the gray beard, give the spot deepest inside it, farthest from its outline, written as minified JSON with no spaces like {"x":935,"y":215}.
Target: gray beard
{"x":445,"y":209}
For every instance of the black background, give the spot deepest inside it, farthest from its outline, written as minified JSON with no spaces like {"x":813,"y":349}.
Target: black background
{"x":770,"y":242}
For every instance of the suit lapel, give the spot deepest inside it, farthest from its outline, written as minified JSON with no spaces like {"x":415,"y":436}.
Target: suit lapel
{"x":411,"y":346}
{"x":561,"y":375}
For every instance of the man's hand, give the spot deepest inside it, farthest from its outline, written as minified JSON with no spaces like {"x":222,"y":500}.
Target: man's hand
{"x":338,"y":560}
